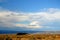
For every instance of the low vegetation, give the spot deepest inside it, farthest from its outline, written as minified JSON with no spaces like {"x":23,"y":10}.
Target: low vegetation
{"x":25,"y":36}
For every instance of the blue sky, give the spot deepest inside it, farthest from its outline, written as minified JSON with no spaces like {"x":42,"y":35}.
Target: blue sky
{"x":30,"y":15}
{"x":29,"y":5}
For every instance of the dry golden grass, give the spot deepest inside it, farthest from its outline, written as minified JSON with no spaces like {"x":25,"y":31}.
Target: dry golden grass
{"x":30,"y":37}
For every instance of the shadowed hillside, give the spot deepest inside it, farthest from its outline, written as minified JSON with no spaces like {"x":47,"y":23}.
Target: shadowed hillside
{"x":22,"y":33}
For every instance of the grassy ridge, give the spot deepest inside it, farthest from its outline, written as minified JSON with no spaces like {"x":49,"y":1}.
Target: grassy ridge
{"x":30,"y":37}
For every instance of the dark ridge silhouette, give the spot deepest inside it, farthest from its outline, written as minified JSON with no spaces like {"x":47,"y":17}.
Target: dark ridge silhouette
{"x":22,"y":33}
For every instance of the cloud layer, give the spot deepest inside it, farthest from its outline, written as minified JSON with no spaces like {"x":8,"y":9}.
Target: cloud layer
{"x":47,"y":18}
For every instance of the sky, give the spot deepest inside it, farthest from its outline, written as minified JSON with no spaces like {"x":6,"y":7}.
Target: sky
{"x":37,"y":15}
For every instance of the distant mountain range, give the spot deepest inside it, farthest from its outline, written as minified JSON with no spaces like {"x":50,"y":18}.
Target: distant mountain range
{"x":15,"y":32}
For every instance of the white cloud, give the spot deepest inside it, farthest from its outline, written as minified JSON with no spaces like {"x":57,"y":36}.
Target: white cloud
{"x":31,"y":25}
{"x":34,"y":24}
{"x":11,"y":19}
